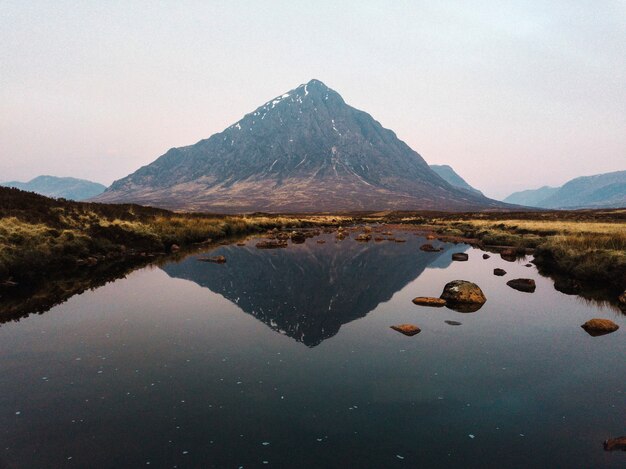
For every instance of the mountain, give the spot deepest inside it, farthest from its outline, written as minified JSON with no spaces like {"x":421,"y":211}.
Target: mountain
{"x":452,"y":177}
{"x":531,"y":197}
{"x":305,"y":150}
{"x":600,"y":191}
{"x":59,"y":187}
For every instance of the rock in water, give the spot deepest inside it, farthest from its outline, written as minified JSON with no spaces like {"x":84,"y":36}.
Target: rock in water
{"x":463,"y":296}
{"x":454,"y":323}
{"x":429,"y":248}
{"x":526,"y":285}
{"x":407,"y":329}
{"x":596,"y":327}
{"x":216,"y":259}
{"x":271,"y":244}
{"x":622,"y":298}
{"x":486,"y":256}
{"x":499,"y":272}
{"x":429,"y":301}
{"x":460,"y":256}
{"x":615,"y":444}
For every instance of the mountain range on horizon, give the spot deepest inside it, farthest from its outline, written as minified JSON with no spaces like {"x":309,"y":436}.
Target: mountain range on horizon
{"x":305,"y":150}
{"x":59,"y":187}
{"x":607,"y":190}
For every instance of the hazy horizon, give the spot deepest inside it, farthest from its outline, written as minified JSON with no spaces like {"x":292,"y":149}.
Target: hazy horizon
{"x":513,"y":96}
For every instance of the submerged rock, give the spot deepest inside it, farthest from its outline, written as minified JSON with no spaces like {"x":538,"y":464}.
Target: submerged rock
{"x":215,"y":259}
{"x":320,"y":241}
{"x":454,"y":323}
{"x":499,"y":272}
{"x":526,"y":285}
{"x":407,"y":329}
{"x":364,"y":237}
{"x":429,"y":301}
{"x":615,"y":444}
{"x":597,"y":326}
{"x":460,"y":256}
{"x":463,"y":296}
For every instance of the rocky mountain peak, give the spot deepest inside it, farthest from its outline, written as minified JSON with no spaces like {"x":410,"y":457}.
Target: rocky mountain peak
{"x":304,"y":150}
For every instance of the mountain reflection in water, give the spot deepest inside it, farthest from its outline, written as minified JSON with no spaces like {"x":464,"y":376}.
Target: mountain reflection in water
{"x":308,"y":291}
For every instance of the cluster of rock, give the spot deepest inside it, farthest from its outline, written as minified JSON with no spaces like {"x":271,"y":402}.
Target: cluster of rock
{"x":459,"y":295}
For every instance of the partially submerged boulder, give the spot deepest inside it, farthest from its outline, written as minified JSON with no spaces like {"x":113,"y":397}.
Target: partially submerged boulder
{"x":297,"y":237}
{"x":429,"y":301}
{"x":463,"y":296}
{"x":407,"y":329}
{"x":429,"y":248}
{"x":486,"y":256}
{"x":460,"y":256}
{"x":364,"y":237}
{"x":615,"y":444}
{"x":453,"y":323}
{"x":499,"y":272}
{"x":596,"y":326}
{"x":622,"y":298}
{"x":526,"y":285}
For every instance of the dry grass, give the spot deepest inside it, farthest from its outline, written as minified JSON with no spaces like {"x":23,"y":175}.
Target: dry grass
{"x":584,"y":249}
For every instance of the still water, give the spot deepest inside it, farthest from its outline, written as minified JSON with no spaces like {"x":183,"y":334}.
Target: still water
{"x":285,"y":358}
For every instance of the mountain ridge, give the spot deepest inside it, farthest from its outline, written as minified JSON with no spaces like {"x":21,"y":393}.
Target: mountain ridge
{"x":605,"y":190}
{"x":59,"y":187}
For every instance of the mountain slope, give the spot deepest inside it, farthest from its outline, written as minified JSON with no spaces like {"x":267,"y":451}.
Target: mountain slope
{"x":452,"y":177}
{"x":305,"y":150}
{"x":599,"y":191}
{"x":531,"y":197}
{"x":59,"y":187}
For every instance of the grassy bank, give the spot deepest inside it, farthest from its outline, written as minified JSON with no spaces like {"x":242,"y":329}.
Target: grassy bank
{"x":590,"y":249}
{"x":40,"y":235}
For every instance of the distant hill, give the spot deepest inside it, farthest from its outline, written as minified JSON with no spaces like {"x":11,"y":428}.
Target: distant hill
{"x":303,"y":151}
{"x":452,"y":177}
{"x":59,"y":187}
{"x":600,"y":191}
{"x":531,"y":197}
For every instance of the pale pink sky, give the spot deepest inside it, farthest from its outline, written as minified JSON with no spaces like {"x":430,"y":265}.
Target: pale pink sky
{"x":513,"y":95}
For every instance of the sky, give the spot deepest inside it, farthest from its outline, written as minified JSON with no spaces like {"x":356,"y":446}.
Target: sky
{"x":512,"y":95}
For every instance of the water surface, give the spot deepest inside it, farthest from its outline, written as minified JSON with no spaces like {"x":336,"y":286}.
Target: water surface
{"x":285,"y":358}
